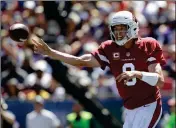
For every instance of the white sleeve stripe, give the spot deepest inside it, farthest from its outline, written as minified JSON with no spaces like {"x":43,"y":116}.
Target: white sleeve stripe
{"x":151,"y":59}
{"x":103,"y":58}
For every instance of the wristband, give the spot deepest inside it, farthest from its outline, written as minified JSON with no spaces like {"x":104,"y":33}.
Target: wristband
{"x":150,"y":78}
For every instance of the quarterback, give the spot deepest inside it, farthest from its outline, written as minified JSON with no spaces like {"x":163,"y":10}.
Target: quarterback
{"x":135,"y":63}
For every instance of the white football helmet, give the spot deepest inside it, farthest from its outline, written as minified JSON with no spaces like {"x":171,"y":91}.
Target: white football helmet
{"x":125,"y":18}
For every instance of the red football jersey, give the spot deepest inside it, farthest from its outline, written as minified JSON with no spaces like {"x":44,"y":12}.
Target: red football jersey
{"x":144,"y":52}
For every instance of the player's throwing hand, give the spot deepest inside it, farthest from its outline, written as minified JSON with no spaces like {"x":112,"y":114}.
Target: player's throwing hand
{"x":41,"y":47}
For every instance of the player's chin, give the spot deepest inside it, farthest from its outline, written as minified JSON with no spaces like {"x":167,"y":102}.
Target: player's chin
{"x":118,"y":38}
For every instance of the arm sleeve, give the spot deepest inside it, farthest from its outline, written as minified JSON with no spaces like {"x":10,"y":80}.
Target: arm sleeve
{"x":156,"y":55}
{"x":101,"y":57}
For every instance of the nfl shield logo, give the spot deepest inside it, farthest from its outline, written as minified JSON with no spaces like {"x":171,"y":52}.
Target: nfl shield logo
{"x":128,"y":54}
{"x":116,"y":55}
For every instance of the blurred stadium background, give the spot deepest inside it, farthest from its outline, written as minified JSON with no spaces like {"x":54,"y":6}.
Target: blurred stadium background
{"x":75,"y":28}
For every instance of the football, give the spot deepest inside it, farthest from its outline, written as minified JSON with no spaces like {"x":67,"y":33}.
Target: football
{"x":19,"y":32}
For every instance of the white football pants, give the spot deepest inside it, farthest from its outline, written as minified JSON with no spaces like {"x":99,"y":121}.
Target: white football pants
{"x":146,"y":116}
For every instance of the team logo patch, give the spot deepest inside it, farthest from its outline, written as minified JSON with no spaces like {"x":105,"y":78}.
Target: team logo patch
{"x":116,"y":55}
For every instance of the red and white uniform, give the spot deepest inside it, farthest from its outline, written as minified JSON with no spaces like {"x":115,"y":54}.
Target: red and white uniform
{"x":144,"y":52}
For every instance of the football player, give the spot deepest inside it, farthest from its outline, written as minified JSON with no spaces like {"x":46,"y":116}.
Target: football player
{"x":135,"y":63}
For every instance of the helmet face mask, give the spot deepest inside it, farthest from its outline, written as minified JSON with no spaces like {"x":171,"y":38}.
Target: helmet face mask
{"x":123,"y":18}
{"x":119,"y":32}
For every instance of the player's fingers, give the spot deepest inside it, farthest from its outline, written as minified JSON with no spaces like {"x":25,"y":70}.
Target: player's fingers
{"x":35,"y":45}
{"x":41,"y":41}
{"x":44,"y":44}
{"x":35,"y":49}
{"x":35,"y":42}
{"x":117,"y":78}
{"x":125,"y":81}
{"x":123,"y":76}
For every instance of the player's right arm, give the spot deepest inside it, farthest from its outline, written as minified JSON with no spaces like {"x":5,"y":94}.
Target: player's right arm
{"x":87,"y":60}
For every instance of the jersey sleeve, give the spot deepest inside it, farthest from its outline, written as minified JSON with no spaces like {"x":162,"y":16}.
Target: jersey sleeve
{"x":101,"y":57}
{"x":156,"y":54}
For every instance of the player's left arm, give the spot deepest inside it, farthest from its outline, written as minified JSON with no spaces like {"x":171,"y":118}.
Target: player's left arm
{"x":156,"y":68}
{"x":154,"y":77}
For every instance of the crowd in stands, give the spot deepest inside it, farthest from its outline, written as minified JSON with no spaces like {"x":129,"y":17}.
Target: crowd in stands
{"x":76,"y":28}
{"x":80,"y":28}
